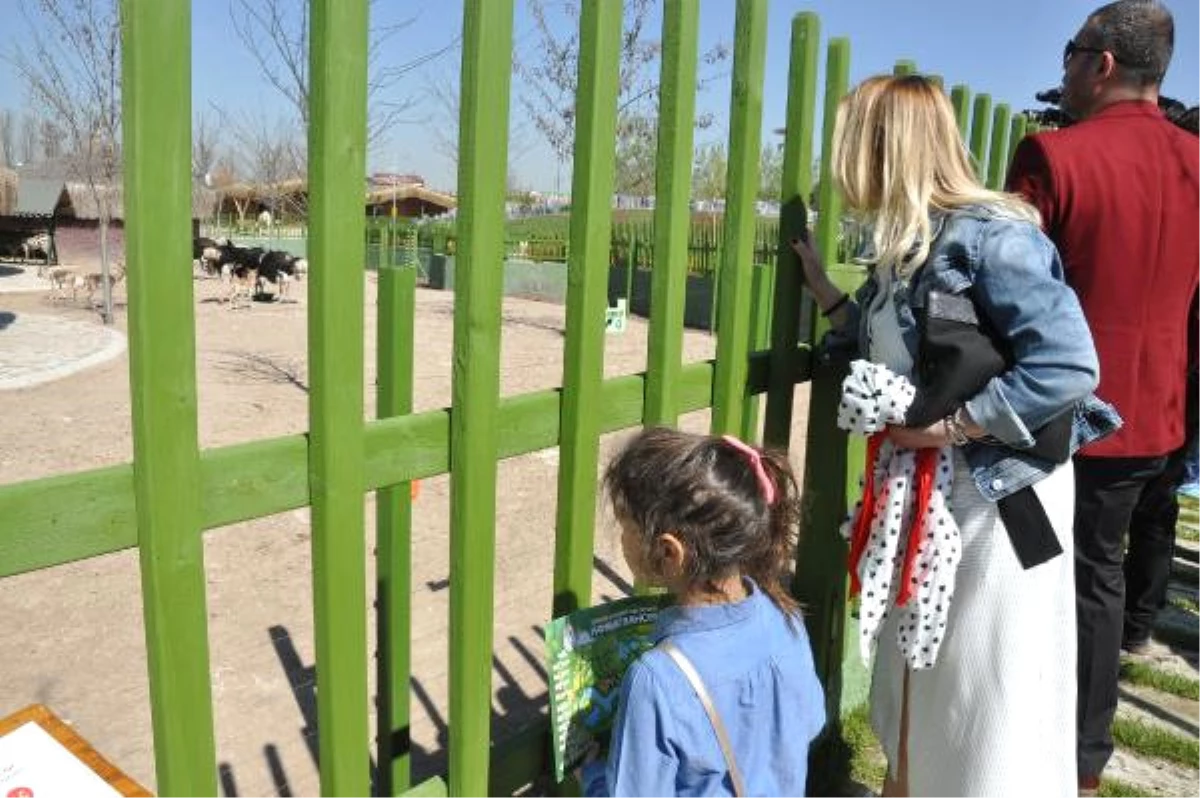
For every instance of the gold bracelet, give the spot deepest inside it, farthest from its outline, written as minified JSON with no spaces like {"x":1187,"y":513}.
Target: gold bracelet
{"x":955,"y":431}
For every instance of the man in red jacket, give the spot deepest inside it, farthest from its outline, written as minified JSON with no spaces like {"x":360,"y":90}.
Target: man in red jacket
{"x":1118,"y":194}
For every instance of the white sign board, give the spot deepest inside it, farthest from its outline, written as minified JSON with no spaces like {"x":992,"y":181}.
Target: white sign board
{"x":35,"y":765}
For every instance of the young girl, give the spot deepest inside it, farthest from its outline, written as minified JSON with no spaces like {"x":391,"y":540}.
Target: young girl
{"x":713,"y":521}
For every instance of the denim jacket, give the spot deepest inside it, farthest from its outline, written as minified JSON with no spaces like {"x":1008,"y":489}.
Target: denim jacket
{"x":1017,"y":280}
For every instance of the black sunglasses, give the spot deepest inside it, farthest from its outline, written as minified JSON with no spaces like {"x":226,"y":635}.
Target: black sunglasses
{"x":1071,"y":48}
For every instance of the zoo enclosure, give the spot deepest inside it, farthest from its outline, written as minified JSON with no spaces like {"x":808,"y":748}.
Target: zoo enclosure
{"x":164,"y":500}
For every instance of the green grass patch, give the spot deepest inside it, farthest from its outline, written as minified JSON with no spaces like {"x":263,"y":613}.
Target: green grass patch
{"x":1146,"y":739}
{"x":868,"y":766}
{"x":1184,"y":603}
{"x":1146,"y":675}
{"x":1115,"y":788}
{"x":1187,"y":532}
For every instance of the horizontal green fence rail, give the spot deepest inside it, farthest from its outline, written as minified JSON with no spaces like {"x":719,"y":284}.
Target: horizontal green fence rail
{"x":70,"y":517}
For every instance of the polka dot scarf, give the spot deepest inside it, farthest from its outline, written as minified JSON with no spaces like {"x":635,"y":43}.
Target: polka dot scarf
{"x":904,"y":543}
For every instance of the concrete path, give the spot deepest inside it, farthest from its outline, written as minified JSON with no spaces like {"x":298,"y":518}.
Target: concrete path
{"x":37,"y":348}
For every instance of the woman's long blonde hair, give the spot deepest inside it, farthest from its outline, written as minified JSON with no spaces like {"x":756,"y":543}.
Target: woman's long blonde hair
{"x":897,"y":156}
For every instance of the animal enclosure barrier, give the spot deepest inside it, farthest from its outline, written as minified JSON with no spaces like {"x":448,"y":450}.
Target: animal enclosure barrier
{"x":172,"y":492}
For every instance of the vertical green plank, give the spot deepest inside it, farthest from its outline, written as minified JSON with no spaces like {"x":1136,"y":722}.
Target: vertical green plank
{"x":998,"y":154}
{"x":475,"y":382}
{"x":820,"y":582}
{"x":393,"y":533}
{"x":672,"y":215}
{"x":745,"y":138}
{"x":793,"y":194}
{"x":960,"y":98}
{"x":1019,"y":125}
{"x":156,"y":125}
{"x":829,"y":203}
{"x":762,"y":289}
{"x":980,"y":121}
{"x":587,"y":278}
{"x":904,"y":67}
{"x":336,"y":250}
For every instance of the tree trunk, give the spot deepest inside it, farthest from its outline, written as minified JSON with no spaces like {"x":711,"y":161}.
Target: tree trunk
{"x":105,"y":282}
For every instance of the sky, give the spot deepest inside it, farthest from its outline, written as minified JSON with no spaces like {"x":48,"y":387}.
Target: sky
{"x":1008,"y":49}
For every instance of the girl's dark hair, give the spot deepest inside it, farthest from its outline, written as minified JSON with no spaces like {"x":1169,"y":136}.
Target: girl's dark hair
{"x":707,"y":493}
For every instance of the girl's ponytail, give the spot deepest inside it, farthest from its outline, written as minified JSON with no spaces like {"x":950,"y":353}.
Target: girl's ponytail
{"x":772,"y":565}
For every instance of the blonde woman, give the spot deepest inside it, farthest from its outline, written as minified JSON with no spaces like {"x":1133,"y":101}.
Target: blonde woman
{"x":995,"y":714}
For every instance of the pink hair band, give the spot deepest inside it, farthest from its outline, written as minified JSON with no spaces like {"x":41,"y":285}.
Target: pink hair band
{"x":752,"y":454}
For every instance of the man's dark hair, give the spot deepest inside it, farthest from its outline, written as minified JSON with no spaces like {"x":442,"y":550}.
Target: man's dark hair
{"x":1140,"y":34}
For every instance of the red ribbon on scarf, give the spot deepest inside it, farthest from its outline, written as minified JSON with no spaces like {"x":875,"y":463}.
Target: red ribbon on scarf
{"x":926,"y":463}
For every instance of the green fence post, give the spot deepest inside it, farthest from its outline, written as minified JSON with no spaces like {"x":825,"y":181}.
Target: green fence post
{"x":904,"y":67}
{"x":960,"y":98}
{"x":156,"y":125}
{"x":820,"y":582}
{"x":745,"y":130}
{"x":672,"y":216}
{"x":587,"y":276}
{"x":998,"y":156}
{"x":829,"y":204}
{"x":980,"y":121}
{"x":794,"y":194}
{"x":337,"y":169}
{"x":393,"y":535}
{"x":1019,"y":125}
{"x":475,"y":383}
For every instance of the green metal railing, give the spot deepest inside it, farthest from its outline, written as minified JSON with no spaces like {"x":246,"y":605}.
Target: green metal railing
{"x":163,"y":501}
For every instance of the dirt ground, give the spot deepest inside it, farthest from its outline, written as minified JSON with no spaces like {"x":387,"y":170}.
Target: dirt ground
{"x":73,"y":634}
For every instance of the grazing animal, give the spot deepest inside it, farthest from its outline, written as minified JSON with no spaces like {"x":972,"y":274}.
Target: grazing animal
{"x":36,"y":245}
{"x":94,"y":281}
{"x":279,"y":268}
{"x":60,"y":280}
{"x":243,"y":280}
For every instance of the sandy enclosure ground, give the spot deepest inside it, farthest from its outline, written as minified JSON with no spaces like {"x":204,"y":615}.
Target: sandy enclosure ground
{"x":73,"y":634}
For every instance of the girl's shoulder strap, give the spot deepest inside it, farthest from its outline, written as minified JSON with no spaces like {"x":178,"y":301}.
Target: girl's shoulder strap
{"x":693,"y":677}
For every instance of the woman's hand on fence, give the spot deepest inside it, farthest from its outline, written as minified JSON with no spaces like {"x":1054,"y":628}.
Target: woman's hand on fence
{"x":812,"y":267}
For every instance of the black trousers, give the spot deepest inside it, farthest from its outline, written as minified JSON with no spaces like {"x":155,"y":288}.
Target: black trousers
{"x":1107,"y":491}
{"x":1151,"y":550}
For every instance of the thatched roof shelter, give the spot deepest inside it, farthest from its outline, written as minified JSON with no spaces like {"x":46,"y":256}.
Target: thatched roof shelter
{"x":82,"y":203}
{"x":410,"y":200}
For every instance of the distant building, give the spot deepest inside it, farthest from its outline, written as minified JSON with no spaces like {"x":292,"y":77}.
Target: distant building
{"x":69,"y":212}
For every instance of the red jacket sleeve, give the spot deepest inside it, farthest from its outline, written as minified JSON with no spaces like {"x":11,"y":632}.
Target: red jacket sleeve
{"x":1029,"y":175}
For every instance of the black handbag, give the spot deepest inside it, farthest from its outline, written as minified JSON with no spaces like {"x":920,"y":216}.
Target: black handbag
{"x":957,"y":354}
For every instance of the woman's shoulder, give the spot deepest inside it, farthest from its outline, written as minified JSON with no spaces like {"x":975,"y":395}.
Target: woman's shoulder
{"x":976,"y":228}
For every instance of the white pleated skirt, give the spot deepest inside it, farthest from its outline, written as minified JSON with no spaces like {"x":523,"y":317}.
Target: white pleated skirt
{"x":996,"y":714}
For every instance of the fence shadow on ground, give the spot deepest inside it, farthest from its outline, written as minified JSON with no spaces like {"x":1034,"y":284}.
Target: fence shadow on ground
{"x":515,"y":707}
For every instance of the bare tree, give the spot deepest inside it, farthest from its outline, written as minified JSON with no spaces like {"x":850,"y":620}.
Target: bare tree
{"x":709,"y":171}
{"x":272,"y":157}
{"x":441,"y":91}
{"x":27,"y":144}
{"x":70,"y":58}
{"x":552,"y":74}
{"x":206,"y":147}
{"x":770,"y":171}
{"x":275,"y":33}
{"x":52,"y":138}
{"x":8,"y":137}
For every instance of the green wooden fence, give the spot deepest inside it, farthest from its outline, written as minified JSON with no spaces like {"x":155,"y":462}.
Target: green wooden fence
{"x":164,"y":500}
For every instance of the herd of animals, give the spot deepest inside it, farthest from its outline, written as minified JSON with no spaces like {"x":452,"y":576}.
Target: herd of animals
{"x":245,"y":272}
